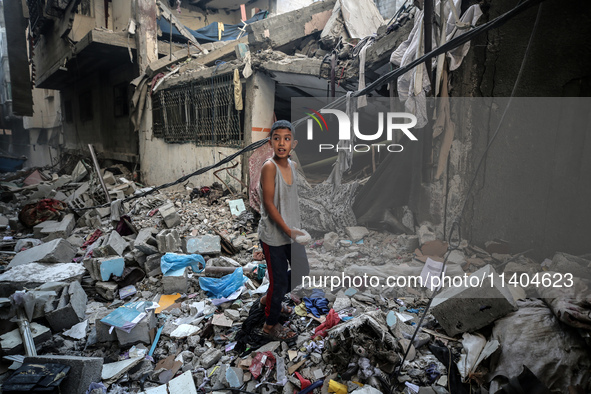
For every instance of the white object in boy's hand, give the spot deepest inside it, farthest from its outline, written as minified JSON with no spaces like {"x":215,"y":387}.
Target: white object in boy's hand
{"x":303,"y":239}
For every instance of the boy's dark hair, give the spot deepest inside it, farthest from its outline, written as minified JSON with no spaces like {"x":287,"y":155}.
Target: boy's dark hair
{"x":281,"y":124}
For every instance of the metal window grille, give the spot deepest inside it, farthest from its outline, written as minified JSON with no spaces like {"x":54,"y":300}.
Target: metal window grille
{"x":201,"y":112}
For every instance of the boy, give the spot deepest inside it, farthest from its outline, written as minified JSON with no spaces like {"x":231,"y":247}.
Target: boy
{"x":280,"y":216}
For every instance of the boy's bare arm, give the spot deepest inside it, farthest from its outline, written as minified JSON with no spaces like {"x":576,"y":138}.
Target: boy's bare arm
{"x":268,"y":173}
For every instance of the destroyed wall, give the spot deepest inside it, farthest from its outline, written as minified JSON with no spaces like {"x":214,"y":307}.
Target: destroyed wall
{"x":50,"y":48}
{"x":533,"y":189}
{"x":44,"y":128}
{"x":95,"y":112}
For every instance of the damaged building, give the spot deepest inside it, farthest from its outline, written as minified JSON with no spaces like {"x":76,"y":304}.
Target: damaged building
{"x":130,"y":259}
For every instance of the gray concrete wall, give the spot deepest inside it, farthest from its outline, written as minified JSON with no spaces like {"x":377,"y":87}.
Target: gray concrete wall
{"x":112,"y":136}
{"x":535,"y":186}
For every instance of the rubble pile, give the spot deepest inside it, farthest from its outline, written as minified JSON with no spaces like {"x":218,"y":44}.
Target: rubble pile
{"x":162,"y":291}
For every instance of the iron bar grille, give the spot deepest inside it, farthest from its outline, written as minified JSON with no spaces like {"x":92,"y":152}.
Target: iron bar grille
{"x":200,"y":112}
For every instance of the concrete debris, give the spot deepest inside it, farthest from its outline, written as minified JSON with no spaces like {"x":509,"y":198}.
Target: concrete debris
{"x":12,"y":343}
{"x":206,"y":244}
{"x":56,"y":251}
{"x":83,"y":370}
{"x":466,"y":308}
{"x":352,"y":326}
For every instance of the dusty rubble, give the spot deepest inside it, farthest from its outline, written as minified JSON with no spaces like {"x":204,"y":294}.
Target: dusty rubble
{"x":97,"y":269}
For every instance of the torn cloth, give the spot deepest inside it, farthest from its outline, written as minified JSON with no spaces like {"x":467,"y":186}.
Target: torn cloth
{"x":316,"y":306}
{"x":332,"y":319}
{"x":414,"y":84}
{"x":46,"y":209}
{"x":570,"y":304}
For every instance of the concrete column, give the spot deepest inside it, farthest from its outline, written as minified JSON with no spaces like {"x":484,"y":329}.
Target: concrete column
{"x":146,"y":33}
{"x":258,"y":112}
{"x":260,"y":104}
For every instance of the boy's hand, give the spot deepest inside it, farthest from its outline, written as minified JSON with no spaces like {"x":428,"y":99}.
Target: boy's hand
{"x":293,"y":233}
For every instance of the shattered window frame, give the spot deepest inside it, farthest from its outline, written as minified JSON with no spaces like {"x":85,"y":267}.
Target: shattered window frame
{"x":201,"y":112}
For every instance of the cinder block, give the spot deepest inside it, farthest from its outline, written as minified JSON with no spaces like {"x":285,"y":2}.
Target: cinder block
{"x":102,"y":268}
{"x":169,"y":241}
{"x":210,"y":357}
{"x":175,"y":281}
{"x":117,"y":242}
{"x":63,"y":229}
{"x":205,"y":244}
{"x":140,"y":333}
{"x":145,"y":242}
{"x":83,"y":370}
{"x":152,"y":263}
{"x":170,"y":215}
{"x":103,"y":331}
{"x":70,"y":308}
{"x":107,"y":290}
{"x":56,"y":251}
{"x":463,"y":308}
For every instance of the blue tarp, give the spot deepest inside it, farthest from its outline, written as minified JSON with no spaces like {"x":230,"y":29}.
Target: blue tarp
{"x":208,"y":33}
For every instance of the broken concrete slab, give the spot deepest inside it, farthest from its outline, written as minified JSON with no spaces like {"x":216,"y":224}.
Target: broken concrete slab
{"x":113,"y":371}
{"x":356,"y":233}
{"x":117,"y":243}
{"x":473,"y":304}
{"x":183,"y":383}
{"x":107,"y":290}
{"x":287,"y":30}
{"x":83,"y":370}
{"x":170,"y":215}
{"x":56,"y":251}
{"x":566,"y":263}
{"x":205,"y":244}
{"x":34,"y":274}
{"x":145,"y":242}
{"x":62,"y":229}
{"x":12,"y":343}
{"x":70,"y":308}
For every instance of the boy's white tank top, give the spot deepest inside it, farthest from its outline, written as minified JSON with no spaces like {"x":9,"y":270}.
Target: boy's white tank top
{"x":286,"y":201}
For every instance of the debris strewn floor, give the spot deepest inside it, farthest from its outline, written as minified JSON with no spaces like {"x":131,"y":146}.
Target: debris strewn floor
{"x":161,"y":294}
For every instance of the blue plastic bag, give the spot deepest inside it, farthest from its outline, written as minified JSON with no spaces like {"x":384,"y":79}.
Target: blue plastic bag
{"x":172,"y":262}
{"x":224,"y":286}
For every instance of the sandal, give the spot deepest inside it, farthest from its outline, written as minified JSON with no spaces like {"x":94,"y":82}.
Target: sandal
{"x":285,"y":309}
{"x":280,"y":333}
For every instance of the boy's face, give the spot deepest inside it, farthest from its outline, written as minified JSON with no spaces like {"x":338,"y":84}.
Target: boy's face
{"x":282,"y":142}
